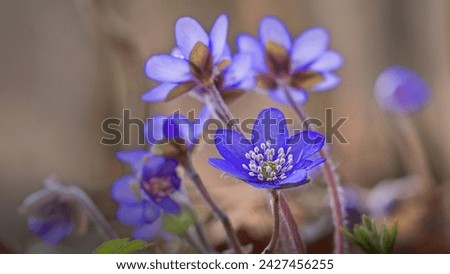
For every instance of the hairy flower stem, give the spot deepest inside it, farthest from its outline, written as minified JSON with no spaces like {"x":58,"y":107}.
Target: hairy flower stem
{"x":188,"y":238}
{"x":202,"y":237}
{"x":270,"y":248}
{"x":294,"y":243}
{"x":412,"y":150}
{"x":331,"y":177}
{"x":218,"y":106}
{"x":94,"y":213}
{"x":415,"y":159}
{"x":220,"y":214}
{"x":223,"y":112}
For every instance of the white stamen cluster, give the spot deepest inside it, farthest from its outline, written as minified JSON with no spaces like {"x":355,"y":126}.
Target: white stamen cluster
{"x":263,"y":165}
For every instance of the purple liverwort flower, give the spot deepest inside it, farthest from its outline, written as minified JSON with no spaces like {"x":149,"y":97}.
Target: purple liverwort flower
{"x":175,"y":133}
{"x":155,"y":176}
{"x":271,"y":159}
{"x":198,"y":62}
{"x":280,"y":63}
{"x":53,"y":222}
{"x":146,"y":195}
{"x":400,"y":90}
{"x":53,"y":213}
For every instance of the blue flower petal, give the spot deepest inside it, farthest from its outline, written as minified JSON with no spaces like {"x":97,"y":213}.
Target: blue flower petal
{"x":328,"y":61}
{"x":59,"y":232}
{"x":135,"y":214}
{"x":330,"y":81}
{"x":202,"y":118}
{"x":272,"y":29}
{"x":39,"y":225}
{"x":169,"y":205}
{"x":153,"y":129}
{"x":300,"y":96}
{"x":122,"y":190}
{"x":270,"y":126}
{"x":134,"y":158}
{"x":315,"y":163}
{"x":148,"y":231}
{"x":151,"y":211}
{"x":305,"y":144}
{"x":308,"y":46}
{"x":232,"y":146}
{"x":264,"y":185}
{"x":158,"y":93}
{"x":230,"y":168}
{"x":51,"y":231}
{"x":187,"y":33}
{"x":152,"y":167}
{"x":179,"y":127}
{"x":169,"y":167}
{"x":238,"y":70}
{"x":250,"y":45}
{"x":248,"y":83}
{"x":310,"y":163}
{"x":226,"y":53}
{"x":218,"y":37}
{"x":166,"y":68}
{"x":130,"y":214}
{"x":176,"y":52}
{"x":400,"y":90}
{"x":297,"y":177}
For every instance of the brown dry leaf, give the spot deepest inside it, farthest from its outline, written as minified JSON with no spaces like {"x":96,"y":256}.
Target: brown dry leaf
{"x":180,"y":90}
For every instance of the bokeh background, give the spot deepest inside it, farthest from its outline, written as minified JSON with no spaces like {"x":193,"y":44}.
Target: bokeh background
{"x":68,"y":65}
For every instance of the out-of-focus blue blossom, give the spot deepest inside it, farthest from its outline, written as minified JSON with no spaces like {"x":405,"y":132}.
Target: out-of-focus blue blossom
{"x":176,"y":129}
{"x":353,"y":206}
{"x":271,"y":159}
{"x":53,"y":223}
{"x":146,"y":195}
{"x":52,"y":213}
{"x":198,"y":61}
{"x":156,"y":176}
{"x":400,"y":90}
{"x":282,"y":63}
{"x":384,"y":198}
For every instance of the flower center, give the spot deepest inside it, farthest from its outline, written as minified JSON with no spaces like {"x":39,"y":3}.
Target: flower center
{"x":158,"y":187}
{"x":266,"y":165}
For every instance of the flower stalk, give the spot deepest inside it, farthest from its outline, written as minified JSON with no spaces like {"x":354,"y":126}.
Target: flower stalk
{"x":331,"y":177}
{"x":202,"y":237}
{"x":295,"y":241}
{"x":270,"y":248}
{"x":412,"y":150}
{"x":218,"y":212}
{"x":221,"y":109}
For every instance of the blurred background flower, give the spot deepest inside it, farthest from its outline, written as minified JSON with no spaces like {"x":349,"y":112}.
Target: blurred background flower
{"x":400,"y":90}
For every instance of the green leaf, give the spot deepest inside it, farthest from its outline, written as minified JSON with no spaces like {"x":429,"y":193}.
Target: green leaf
{"x":121,"y":246}
{"x":385,"y":239}
{"x":369,"y":224}
{"x":393,"y":238}
{"x":348,"y":234}
{"x":179,"y":223}
{"x":366,"y":239}
{"x":369,"y":239}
